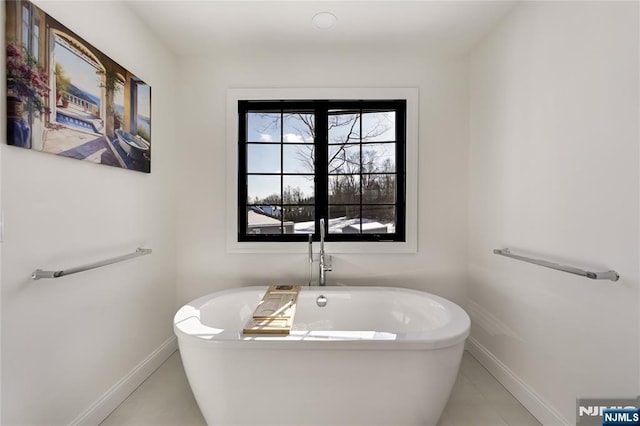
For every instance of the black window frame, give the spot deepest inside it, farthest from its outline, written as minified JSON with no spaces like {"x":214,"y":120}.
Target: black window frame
{"x":321,"y":175}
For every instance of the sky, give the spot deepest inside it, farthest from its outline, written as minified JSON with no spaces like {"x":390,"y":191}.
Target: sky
{"x":264,"y":157}
{"x":82,"y":74}
{"x":144,"y":100}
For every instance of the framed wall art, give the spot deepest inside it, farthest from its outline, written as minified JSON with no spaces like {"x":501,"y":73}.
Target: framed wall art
{"x":67,"y":98}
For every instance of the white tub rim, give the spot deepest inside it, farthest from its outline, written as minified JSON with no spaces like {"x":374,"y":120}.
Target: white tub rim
{"x":190,"y":330}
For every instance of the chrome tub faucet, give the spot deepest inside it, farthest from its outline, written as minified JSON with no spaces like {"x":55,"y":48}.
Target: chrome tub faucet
{"x":325,"y":259}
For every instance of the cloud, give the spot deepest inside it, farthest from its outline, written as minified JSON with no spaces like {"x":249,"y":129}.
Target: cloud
{"x":292,"y":137}
{"x":264,"y":137}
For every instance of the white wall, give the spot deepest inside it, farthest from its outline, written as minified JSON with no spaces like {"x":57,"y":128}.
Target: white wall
{"x":203,"y":262}
{"x":65,"y":342}
{"x":554,"y":173}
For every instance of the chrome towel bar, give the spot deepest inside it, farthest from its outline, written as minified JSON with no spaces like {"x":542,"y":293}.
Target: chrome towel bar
{"x":608,"y":275}
{"x":39,"y":273}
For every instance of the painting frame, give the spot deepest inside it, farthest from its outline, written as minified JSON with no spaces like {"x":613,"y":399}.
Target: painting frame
{"x":66,"y":97}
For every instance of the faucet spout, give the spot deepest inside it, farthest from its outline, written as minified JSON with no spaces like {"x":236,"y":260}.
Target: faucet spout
{"x":322,"y":236}
{"x":325,"y":260}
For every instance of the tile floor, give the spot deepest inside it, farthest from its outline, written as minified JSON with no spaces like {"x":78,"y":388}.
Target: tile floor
{"x":165,"y":399}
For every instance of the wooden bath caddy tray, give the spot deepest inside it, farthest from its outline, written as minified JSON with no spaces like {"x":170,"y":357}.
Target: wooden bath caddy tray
{"x":274,"y":314}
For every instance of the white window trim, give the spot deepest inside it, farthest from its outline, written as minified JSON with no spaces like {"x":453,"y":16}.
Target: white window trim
{"x":412,"y":97}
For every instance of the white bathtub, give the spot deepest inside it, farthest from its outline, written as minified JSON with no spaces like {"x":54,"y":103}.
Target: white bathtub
{"x":371,"y":356}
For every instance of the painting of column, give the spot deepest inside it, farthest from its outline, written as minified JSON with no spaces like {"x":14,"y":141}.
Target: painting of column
{"x":66,"y":97}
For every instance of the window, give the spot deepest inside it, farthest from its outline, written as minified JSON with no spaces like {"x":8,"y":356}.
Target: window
{"x":35,"y":43}
{"x":30,"y":22}
{"x":299,"y":161}
{"x":26,"y":25}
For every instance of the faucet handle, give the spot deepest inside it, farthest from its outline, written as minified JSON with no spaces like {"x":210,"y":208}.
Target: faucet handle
{"x":326,"y":265}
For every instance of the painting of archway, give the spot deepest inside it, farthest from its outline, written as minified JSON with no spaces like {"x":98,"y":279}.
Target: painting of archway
{"x":67,"y":98}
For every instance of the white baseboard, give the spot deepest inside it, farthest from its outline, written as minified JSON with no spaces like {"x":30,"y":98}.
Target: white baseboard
{"x":532,"y":401}
{"x":103,"y":406}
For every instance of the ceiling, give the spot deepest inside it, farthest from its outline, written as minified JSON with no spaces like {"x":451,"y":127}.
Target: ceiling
{"x":191,"y":27}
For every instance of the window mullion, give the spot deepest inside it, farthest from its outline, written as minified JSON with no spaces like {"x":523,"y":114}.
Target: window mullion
{"x":281,"y":172}
{"x":361,"y":167}
{"x":321,"y":165}
{"x":401,"y":174}
{"x":242,"y":171}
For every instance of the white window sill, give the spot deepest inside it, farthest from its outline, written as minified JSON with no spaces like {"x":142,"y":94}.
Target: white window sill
{"x":381,"y":247}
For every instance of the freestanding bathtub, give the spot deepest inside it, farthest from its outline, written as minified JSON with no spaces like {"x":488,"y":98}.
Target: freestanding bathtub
{"x":370,"y":356}
{"x":133,"y":146}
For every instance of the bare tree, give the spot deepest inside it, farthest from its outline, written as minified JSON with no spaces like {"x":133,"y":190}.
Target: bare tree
{"x":305,"y":126}
{"x":351,"y":170}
